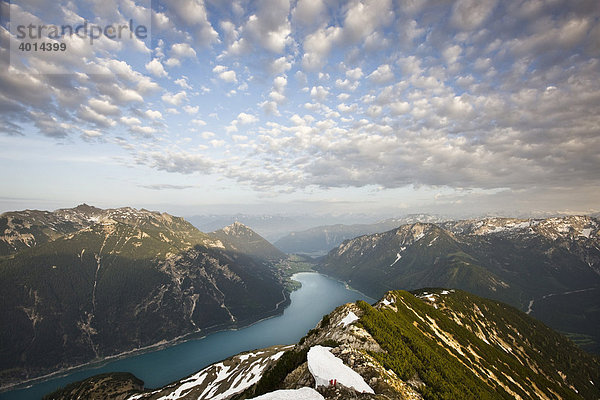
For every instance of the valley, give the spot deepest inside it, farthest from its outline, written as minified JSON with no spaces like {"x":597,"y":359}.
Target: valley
{"x":189,"y":284}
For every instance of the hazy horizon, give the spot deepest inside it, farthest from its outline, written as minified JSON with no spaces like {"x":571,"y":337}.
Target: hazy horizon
{"x":308,"y":107}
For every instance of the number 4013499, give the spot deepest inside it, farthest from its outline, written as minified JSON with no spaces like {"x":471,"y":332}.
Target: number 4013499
{"x":43,"y":46}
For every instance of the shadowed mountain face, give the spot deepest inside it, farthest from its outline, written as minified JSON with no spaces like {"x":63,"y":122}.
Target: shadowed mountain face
{"x":426,"y":344}
{"x":81,"y":284}
{"x":529,"y":264}
{"x":237,"y":237}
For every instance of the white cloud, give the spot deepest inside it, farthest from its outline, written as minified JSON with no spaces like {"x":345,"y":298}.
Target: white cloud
{"x":156,"y":68}
{"x":400,"y":107}
{"x":172,"y":62}
{"x":192,"y":13}
{"x":104,"y":107}
{"x":470,"y":14}
{"x":382,"y":74}
{"x":183,"y":83}
{"x":182,"y":50}
{"x":191,"y":109}
{"x":245,"y":119}
{"x":153,"y":114}
{"x":452,"y":53}
{"x":352,"y":108}
{"x":319,"y":93}
{"x":365,"y":17}
{"x":130,"y":121}
{"x":91,"y":134}
{"x":270,"y":26}
{"x":309,"y":12}
{"x":145,"y":131}
{"x":280,"y":66}
{"x":347,"y":84}
{"x":354,"y":74}
{"x":198,"y":122}
{"x":217,"y":143}
{"x":175,"y":99}
{"x":318,"y":45}
{"x":88,"y":114}
{"x":225,"y":74}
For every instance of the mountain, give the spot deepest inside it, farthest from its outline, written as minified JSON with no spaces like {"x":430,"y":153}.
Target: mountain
{"x":237,"y":237}
{"x":549,"y":268}
{"x":319,"y":240}
{"x":271,"y":227}
{"x":81,"y":284}
{"x":428,"y":344}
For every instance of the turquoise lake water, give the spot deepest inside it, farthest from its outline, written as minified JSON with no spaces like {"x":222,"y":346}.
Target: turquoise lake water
{"x":319,"y":295}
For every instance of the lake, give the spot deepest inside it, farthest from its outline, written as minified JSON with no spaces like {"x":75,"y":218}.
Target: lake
{"x":319,"y":295}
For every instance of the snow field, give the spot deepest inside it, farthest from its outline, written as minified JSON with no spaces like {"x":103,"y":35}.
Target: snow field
{"x":325,"y":367}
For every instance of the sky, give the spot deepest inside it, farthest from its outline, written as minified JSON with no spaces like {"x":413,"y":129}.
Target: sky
{"x":311,"y":106}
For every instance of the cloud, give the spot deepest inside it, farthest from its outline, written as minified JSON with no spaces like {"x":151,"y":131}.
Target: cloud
{"x":467,"y":94}
{"x":269,"y":26}
{"x":174,"y":99}
{"x":365,"y":17}
{"x":470,"y":14}
{"x":130,"y":121}
{"x":191,"y":109}
{"x":354,"y":74}
{"x":182,"y":50}
{"x":166,"y":186}
{"x":318,"y":45}
{"x":245,"y":119}
{"x":104,"y":107}
{"x":183,"y":83}
{"x":382,"y":74}
{"x":153,"y":114}
{"x":193,"y":15}
{"x":88,"y":114}
{"x":309,"y":12}
{"x":156,"y":68}
{"x":90,"y":135}
{"x":176,"y":162}
{"x":280,"y":66}
{"x":225,"y":74}
{"x":319,"y":93}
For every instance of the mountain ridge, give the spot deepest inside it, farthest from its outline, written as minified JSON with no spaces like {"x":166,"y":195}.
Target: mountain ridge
{"x":239,"y":237}
{"x":90,"y":283}
{"x":521,"y":262}
{"x":427,"y":344}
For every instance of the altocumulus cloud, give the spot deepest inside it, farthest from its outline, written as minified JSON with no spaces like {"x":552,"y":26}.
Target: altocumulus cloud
{"x":469,"y":94}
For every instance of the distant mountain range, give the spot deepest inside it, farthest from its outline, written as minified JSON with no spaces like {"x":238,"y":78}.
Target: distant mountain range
{"x":428,"y":344}
{"x":82,"y":284}
{"x":274,"y":227}
{"x":319,"y":240}
{"x":549,"y":268}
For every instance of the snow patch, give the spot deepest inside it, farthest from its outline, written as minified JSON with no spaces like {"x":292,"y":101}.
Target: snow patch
{"x":386,"y":302}
{"x":304,"y":393}
{"x":398,"y":257}
{"x":348,"y":319}
{"x":324,"y":367}
{"x":586,"y":233}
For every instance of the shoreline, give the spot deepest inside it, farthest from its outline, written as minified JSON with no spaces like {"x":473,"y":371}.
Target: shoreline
{"x":346,"y":284}
{"x":196,"y":335}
